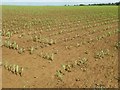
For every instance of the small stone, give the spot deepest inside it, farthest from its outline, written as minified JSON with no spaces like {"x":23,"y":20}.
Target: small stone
{"x":35,"y":77}
{"x":86,"y":52}
{"x":77,"y":79}
{"x":34,"y":57}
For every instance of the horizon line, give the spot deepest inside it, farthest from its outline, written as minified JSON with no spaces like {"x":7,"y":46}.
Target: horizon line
{"x":50,"y":3}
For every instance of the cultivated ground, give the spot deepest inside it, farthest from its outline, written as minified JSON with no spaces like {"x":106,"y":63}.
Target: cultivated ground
{"x":67,"y":47}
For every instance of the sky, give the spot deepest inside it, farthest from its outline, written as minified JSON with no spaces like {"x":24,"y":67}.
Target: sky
{"x":60,"y":0}
{"x":54,"y":2}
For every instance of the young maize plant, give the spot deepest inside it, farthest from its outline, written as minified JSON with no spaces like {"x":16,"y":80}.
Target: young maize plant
{"x":31,"y":50}
{"x":15,"y":69}
{"x":48,"y":56}
{"x":64,"y":66}
{"x":41,"y":40}
{"x":14,"y":45}
{"x":17,"y":47}
{"x":44,"y":40}
{"x":3,"y":33}
{"x":51,"y":42}
{"x":101,"y":54}
{"x":20,"y":36}
{"x":67,"y":67}
{"x":20,"y":71}
{"x":59,"y":74}
{"x":5,"y":65}
{"x":78,"y":45}
{"x":7,"y":43}
{"x":15,"y":32}
{"x":109,"y":33}
{"x":45,"y":56}
{"x":51,"y":57}
{"x":117,"y":45}
{"x":35,"y":38}
{"x":118,"y":30}
{"x":8,"y":34}
{"x":81,"y":61}
{"x":41,"y":54}
{"x":21,"y":50}
{"x":9,"y":67}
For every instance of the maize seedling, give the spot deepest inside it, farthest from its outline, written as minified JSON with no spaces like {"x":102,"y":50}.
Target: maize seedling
{"x":13,"y":68}
{"x":21,"y":50}
{"x":59,"y":74}
{"x":31,"y":50}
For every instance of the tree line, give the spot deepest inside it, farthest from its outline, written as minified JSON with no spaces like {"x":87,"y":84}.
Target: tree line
{"x":100,"y":4}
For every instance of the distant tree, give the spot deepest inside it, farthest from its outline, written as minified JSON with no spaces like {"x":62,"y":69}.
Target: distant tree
{"x":101,"y":4}
{"x":81,"y":5}
{"x":117,"y":3}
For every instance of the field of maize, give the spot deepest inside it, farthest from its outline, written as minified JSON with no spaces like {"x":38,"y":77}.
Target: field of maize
{"x":60,"y":46}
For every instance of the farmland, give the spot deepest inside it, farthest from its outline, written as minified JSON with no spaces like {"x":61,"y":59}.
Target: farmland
{"x":60,"y":46}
